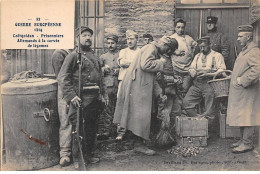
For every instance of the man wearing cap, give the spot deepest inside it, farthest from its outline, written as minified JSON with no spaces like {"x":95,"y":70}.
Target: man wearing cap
{"x":244,"y":93}
{"x":110,"y":69}
{"x":127,"y":55}
{"x":65,"y":127}
{"x":218,"y":41}
{"x":183,"y":57}
{"x":205,"y":65}
{"x":148,"y":38}
{"x":134,"y":103}
{"x":91,"y":95}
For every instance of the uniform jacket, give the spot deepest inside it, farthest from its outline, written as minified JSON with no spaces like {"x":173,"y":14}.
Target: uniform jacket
{"x":244,"y":100}
{"x":109,"y":60}
{"x":134,"y":103}
{"x":219,"y":43}
{"x":58,"y":59}
{"x":69,"y":75}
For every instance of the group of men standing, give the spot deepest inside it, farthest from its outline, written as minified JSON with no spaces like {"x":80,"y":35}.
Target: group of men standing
{"x":128,"y":81}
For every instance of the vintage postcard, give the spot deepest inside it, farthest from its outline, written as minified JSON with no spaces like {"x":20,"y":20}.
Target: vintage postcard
{"x":130,"y":85}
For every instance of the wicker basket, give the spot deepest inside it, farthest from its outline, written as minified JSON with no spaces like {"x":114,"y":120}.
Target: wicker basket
{"x":220,"y":86}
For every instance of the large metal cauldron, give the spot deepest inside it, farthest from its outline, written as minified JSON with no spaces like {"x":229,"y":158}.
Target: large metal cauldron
{"x":31,"y":123}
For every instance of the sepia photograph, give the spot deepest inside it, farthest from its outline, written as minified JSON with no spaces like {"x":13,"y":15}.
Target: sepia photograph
{"x":130,"y":85}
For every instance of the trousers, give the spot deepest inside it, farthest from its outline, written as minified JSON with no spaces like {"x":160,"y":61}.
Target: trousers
{"x":194,"y":96}
{"x":247,"y":134}
{"x":90,"y":114}
{"x":65,"y":126}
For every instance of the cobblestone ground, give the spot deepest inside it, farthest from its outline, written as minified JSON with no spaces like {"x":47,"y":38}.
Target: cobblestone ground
{"x":216,"y":156}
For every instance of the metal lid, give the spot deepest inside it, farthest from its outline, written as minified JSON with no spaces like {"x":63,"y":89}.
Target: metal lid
{"x":29,"y":86}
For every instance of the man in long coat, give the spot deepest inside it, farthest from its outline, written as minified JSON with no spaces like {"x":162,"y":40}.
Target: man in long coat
{"x":244,"y":94}
{"x":134,"y":103}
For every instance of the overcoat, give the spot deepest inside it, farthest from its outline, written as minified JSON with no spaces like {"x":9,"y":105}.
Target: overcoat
{"x":134,"y":103}
{"x":244,"y":100}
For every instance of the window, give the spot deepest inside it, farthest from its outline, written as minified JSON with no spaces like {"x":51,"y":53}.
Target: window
{"x":91,"y":13}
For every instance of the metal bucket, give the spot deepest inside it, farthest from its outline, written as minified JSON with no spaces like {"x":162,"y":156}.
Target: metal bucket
{"x":31,"y":123}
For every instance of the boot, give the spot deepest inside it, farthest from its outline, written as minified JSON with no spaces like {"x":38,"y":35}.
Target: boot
{"x":242,"y":148}
{"x":191,"y":112}
{"x":64,"y":161}
{"x":236,"y":144}
{"x":144,"y":150}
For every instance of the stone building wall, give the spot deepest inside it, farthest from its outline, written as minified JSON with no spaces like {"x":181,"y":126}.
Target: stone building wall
{"x":143,"y":16}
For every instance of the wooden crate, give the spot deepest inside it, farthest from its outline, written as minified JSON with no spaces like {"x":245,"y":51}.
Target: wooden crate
{"x":227,"y":131}
{"x":192,"y":141}
{"x":191,"y":127}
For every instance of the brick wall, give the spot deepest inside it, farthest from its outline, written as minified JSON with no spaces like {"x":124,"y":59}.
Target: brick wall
{"x":143,"y":16}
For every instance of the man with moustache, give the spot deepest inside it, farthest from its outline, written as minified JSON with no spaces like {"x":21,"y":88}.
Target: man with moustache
{"x":134,"y":103}
{"x":203,"y":68}
{"x":218,"y":41}
{"x":183,"y":56}
{"x":244,"y":93}
{"x":110,"y":69}
{"x":91,"y":97}
{"x":126,"y":56}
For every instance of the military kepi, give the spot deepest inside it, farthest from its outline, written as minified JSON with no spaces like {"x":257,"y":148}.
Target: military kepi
{"x":112,"y":37}
{"x":212,"y":20}
{"x":245,"y":28}
{"x":204,"y":39}
{"x":84,"y":28}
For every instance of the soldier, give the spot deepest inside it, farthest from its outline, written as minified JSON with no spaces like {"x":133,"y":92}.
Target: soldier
{"x":244,"y":93}
{"x":183,"y":57}
{"x":148,"y":38}
{"x":134,"y":103}
{"x":110,"y":69}
{"x":204,"y":66}
{"x":126,"y":56}
{"x":219,"y":42}
{"x":93,"y":92}
{"x":65,"y":127}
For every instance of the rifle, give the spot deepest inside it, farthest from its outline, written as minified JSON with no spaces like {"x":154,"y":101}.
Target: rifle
{"x":79,"y":109}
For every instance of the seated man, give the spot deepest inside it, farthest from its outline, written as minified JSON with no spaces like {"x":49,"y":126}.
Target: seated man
{"x":205,"y":65}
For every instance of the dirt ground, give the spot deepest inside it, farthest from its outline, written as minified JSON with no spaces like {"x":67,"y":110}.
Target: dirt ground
{"x":217,"y":156}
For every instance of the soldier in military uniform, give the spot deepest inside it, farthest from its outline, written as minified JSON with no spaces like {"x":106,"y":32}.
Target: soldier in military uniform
{"x":65,"y":128}
{"x":219,"y":42}
{"x":93,"y":91}
{"x":110,"y":69}
{"x":244,"y":92}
